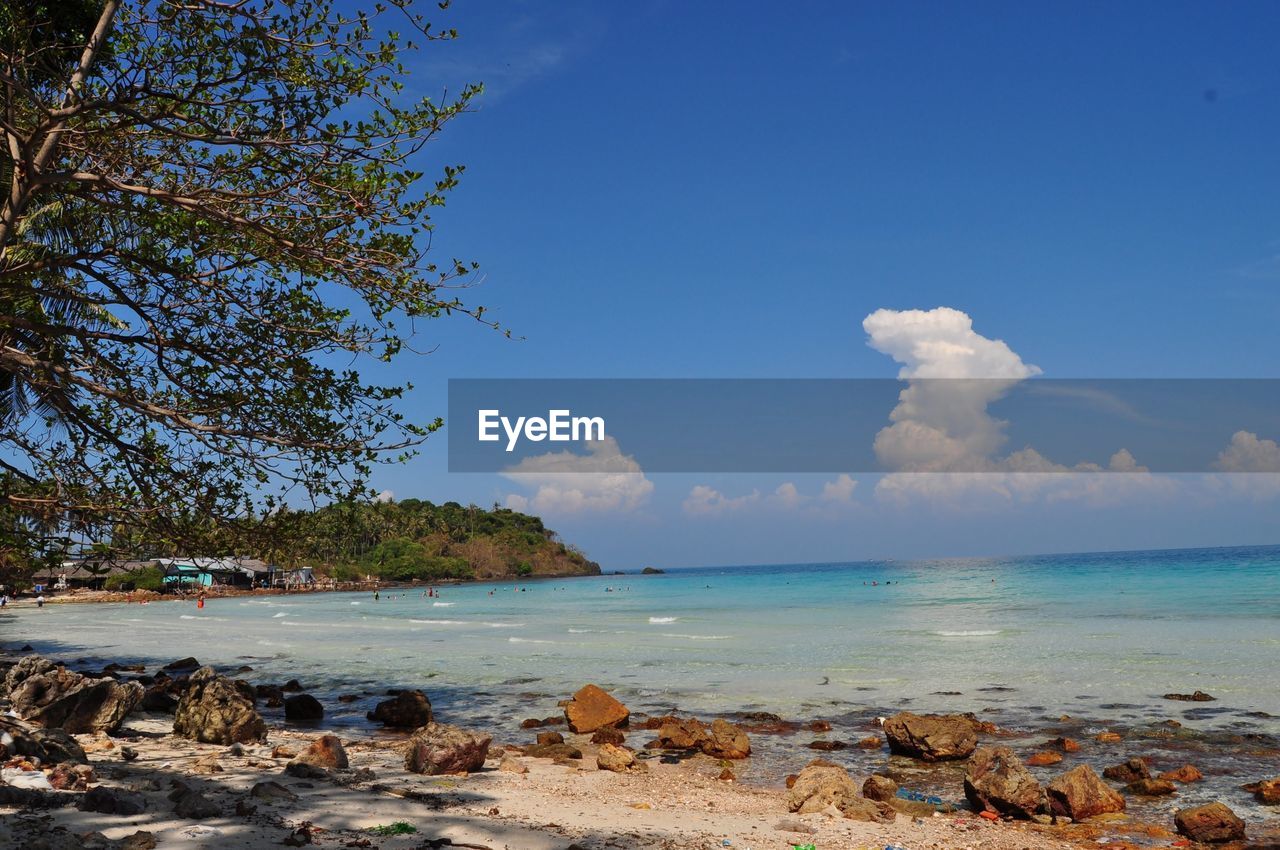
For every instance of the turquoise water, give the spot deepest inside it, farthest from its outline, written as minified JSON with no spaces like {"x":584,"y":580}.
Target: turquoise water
{"x":1099,"y":637}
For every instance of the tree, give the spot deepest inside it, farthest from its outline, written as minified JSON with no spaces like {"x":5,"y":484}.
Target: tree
{"x":209,"y":212}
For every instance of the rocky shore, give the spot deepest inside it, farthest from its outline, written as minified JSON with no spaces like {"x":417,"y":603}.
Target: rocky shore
{"x":180,"y":754}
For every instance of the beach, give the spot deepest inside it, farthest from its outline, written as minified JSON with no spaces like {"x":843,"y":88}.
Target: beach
{"x":807,"y":661}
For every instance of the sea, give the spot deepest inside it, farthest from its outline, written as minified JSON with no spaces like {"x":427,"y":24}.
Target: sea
{"x":1041,"y":646}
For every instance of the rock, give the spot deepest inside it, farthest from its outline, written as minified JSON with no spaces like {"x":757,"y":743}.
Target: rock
{"x":682,"y":734}
{"x":931,"y":737}
{"x":614,"y":758}
{"x":157,"y":698}
{"x":271,"y":694}
{"x":592,"y":708}
{"x":1186,"y":773}
{"x":651,"y":571}
{"x":345,"y":698}
{"x":302,"y":770}
{"x":196,"y":806}
{"x":996,"y":781}
{"x":829,"y":746}
{"x":860,"y":808}
{"x":726,"y":741}
{"x":406,"y":710}
{"x":1209,"y":824}
{"x":269,"y":790}
{"x":280,"y":751}
{"x":50,"y":695}
{"x":609,"y":735}
{"x":187,"y":663}
{"x":1080,"y":793}
{"x":71,"y":777}
{"x":880,"y":788}
{"x":1148,"y":787}
{"x":140,"y":840}
{"x":303,"y":708}
{"x":818,"y":786}
{"x":727,"y":775}
{"x":293,"y":685}
{"x":871,"y":742}
{"x":511,"y":765}
{"x":550,"y":738}
{"x":440,"y":748}
{"x":128,"y":753}
{"x":51,"y":746}
{"x":1044,"y":758}
{"x":1130,"y":771}
{"x":112,"y":801}
{"x":1198,"y":696}
{"x":1066,"y":745}
{"x":213,"y":711}
{"x":531,"y":723}
{"x":1108,"y":737}
{"x":1266,"y":791}
{"x":553,"y":751}
{"x":326,"y":752}
{"x":819,"y":726}
{"x":207,"y":765}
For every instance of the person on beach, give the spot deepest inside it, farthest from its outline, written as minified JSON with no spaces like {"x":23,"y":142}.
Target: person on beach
{"x":40,"y":601}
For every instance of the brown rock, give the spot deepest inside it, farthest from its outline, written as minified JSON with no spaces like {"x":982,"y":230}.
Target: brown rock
{"x":406,"y":710}
{"x":726,"y":775}
{"x":1108,"y":737}
{"x":880,"y":788}
{"x":996,"y":781}
{"x":614,"y":758}
{"x":609,"y":735}
{"x":49,"y":695}
{"x":327,"y":752}
{"x":726,"y":741}
{"x":1267,"y":791}
{"x":819,"y":786}
{"x":213,"y":711}
{"x":1066,"y":745}
{"x":1198,"y":696}
{"x":280,"y":751}
{"x":1209,"y":824}
{"x":591,"y":708}
{"x":1186,"y":773}
{"x":440,"y":748}
{"x":871,"y":742}
{"x":931,"y":737}
{"x":682,"y":734}
{"x":819,"y":726}
{"x":207,"y":765}
{"x":511,"y":765}
{"x":1044,"y":758}
{"x":828,"y":746}
{"x":1151,"y":787}
{"x":1130,"y":771}
{"x":553,"y":751}
{"x":550,"y":738}
{"x":1080,"y":793}
{"x":531,"y":723}
{"x":71,"y":777}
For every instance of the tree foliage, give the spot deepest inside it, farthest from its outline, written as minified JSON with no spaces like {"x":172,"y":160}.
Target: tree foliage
{"x":210,"y":213}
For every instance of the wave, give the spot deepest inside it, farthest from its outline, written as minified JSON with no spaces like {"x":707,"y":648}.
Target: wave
{"x":657,"y":620}
{"x":698,"y":637}
{"x":279,"y":615}
{"x":355,"y":603}
{"x":504,"y":625}
{"x":442,"y":604}
{"x":527,"y":640}
{"x":440,"y":622}
{"x":969,"y":633}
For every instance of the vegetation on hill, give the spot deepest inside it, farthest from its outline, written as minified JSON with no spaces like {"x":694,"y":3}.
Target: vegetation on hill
{"x":418,"y":540}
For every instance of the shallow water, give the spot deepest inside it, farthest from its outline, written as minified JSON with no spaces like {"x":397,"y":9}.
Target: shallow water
{"x":1025,"y":640}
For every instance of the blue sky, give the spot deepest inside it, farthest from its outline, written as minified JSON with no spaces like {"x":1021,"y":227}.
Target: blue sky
{"x":716,"y":190}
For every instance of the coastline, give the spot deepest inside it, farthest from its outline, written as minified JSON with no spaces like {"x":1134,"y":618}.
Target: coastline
{"x":533,"y":800}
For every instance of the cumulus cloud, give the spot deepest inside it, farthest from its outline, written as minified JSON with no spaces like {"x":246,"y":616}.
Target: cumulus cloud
{"x":605,"y":480}
{"x":1247,"y":453}
{"x":385,"y":496}
{"x":839,"y":491}
{"x":708,"y":501}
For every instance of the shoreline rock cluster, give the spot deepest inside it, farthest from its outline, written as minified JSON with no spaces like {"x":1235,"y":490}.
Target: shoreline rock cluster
{"x":45,"y":766}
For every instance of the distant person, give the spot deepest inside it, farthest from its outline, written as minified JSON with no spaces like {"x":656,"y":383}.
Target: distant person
{"x":40,"y":601}
{"x":375,"y":596}
{"x":200,"y":601}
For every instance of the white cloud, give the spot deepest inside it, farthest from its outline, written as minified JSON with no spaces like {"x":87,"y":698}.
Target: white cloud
{"x":708,"y":501}
{"x":1247,"y":453}
{"x":605,"y":480}
{"x":385,"y":496}
{"x":839,"y":491}
{"x":788,"y":496}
